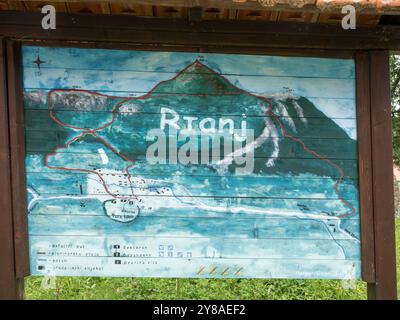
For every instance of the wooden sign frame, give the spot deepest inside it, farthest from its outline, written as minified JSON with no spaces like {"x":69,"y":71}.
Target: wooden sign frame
{"x":373,"y":115}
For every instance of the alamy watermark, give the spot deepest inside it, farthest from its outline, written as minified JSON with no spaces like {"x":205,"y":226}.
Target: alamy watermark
{"x":349,"y":19}
{"x":49,"y":20}
{"x":189,"y":140}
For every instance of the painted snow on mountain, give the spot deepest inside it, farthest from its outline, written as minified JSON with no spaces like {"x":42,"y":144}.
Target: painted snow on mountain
{"x":275,"y":120}
{"x":80,"y":101}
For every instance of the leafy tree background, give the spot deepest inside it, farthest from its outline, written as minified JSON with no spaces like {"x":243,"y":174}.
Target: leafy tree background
{"x":395,"y":86}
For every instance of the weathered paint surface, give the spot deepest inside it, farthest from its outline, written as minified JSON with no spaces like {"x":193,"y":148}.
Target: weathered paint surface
{"x":98,"y":207}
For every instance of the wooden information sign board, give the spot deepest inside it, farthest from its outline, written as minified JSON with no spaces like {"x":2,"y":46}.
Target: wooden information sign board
{"x":144,"y":166}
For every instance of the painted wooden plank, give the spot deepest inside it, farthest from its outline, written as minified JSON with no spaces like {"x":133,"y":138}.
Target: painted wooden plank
{"x":172,"y":62}
{"x":291,"y":196}
{"x":142,"y":264}
{"x":31,"y":69}
{"x":217,"y":187}
{"x":45,"y":141}
{"x":165,"y":171}
{"x":154,"y":118}
{"x":197,"y":248}
{"x":144,"y":82}
{"x":98,"y":190}
{"x":199,"y":268}
{"x":83,"y":195}
{"x":93,"y":208}
{"x":151,"y":203}
{"x":300,"y":230}
{"x":32,"y":94}
{"x":116,"y":166}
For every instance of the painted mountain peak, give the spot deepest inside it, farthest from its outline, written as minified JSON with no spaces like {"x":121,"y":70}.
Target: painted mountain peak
{"x":199,"y":91}
{"x":196,"y":78}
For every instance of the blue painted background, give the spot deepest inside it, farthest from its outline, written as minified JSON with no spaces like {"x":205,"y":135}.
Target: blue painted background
{"x":295,"y":216}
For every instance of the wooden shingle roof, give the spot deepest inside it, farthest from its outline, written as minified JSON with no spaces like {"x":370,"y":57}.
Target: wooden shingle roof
{"x":369,"y":12}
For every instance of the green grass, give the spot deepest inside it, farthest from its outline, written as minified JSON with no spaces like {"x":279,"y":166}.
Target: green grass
{"x":150,"y":288}
{"x":398,"y":255}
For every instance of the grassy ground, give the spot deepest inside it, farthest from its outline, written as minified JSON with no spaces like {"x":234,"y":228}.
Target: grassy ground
{"x":398,"y":255}
{"x":135,"y":288}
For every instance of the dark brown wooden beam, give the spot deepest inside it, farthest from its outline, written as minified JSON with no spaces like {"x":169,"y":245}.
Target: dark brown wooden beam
{"x":365,"y":166}
{"x":10,"y":285}
{"x":17,"y":157}
{"x":385,"y":286}
{"x":180,"y":32}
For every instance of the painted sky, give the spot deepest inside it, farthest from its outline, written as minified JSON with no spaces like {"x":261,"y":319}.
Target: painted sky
{"x":328,"y":83}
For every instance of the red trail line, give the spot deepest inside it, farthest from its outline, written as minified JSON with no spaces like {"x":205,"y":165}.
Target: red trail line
{"x":92,"y":132}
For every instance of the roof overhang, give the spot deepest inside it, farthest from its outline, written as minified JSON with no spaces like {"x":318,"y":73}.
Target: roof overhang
{"x":308,"y":11}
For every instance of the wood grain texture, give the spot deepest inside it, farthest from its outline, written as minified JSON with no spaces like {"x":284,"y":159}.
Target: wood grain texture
{"x":365,"y":166}
{"x":204,"y":34}
{"x":384,"y":227}
{"x":17,"y":153}
{"x":10,"y":286}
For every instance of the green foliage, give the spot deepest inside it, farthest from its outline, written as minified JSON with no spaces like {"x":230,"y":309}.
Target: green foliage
{"x":160,"y":289}
{"x":396,"y":138}
{"x":395,"y":95}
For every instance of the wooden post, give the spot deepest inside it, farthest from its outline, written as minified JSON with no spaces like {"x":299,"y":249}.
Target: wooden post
{"x":17,"y":157}
{"x":385,"y":286}
{"x":365,"y":167}
{"x":10,"y":286}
